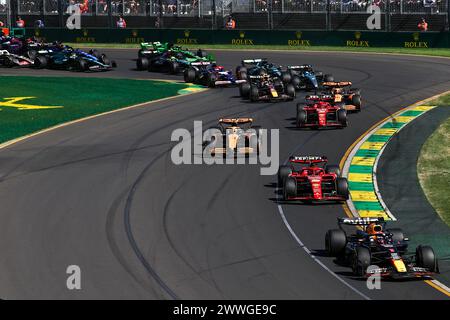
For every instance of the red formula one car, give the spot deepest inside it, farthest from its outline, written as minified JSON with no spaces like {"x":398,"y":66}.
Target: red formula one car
{"x":313,"y":181}
{"x":320,"y":112}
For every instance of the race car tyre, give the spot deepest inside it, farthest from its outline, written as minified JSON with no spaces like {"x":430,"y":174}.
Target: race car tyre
{"x":40,"y":62}
{"x":328,"y":78}
{"x":286,"y":77}
{"x":342,"y":117}
{"x":335,"y":242}
{"x":290,"y":91}
{"x":142,"y":63}
{"x":104,"y":59}
{"x":289,"y":188}
{"x":243,"y":75}
{"x":31,"y":54}
{"x":173,"y":67}
{"x":8,"y":62}
{"x":361,"y":261}
{"x":332,"y":168}
{"x":211,"y":79}
{"x":426,"y":258}
{"x":200,"y":53}
{"x":397,"y":234}
{"x":95,"y":53}
{"x":254,"y":93}
{"x":277,"y":83}
{"x":340,"y":105}
{"x":318,"y":74}
{"x":140,"y":54}
{"x":356,"y":101}
{"x":244,"y":90}
{"x":342,"y":187}
{"x":114,"y":64}
{"x":301,"y":116}
{"x":239,"y":70}
{"x":81,"y":65}
{"x":283,"y":173}
{"x":296,"y":82}
{"x":189,"y":75}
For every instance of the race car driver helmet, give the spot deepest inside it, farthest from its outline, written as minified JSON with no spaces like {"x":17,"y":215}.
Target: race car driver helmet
{"x":374,"y":229}
{"x":336,"y":90}
{"x":265,"y":77}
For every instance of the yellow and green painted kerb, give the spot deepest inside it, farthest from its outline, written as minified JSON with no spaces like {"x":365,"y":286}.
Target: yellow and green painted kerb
{"x":361,"y":168}
{"x":191,"y":89}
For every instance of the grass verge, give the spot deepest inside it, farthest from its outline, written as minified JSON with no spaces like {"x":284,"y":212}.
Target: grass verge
{"x":439,"y":52}
{"x":30,"y":104}
{"x":433,"y":167}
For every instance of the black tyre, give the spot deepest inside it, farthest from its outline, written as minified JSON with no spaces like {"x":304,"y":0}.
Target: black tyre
{"x":301,"y":116}
{"x":81,"y":65}
{"x":243,"y":75}
{"x":361,"y":261}
{"x":201,"y":53}
{"x":342,"y":187}
{"x":332,"y":168}
{"x":31,"y":54}
{"x":211,"y":79}
{"x":142,"y":63}
{"x":189,"y":75}
{"x":174,"y":67}
{"x":328,"y":78}
{"x":356,"y":101}
{"x":40,"y":62}
{"x":277,"y":83}
{"x":95,"y":53}
{"x":8,"y":62}
{"x":140,"y":54}
{"x":290,"y":91}
{"x":254,"y":93}
{"x":397,"y":234}
{"x":244,"y":90}
{"x":286,"y":77}
{"x":426,"y":258}
{"x":283,"y":173}
{"x":296,"y":82}
{"x":335,"y":242}
{"x":240,"y":69}
{"x":104,"y":59}
{"x":342,"y":117}
{"x":289,"y":188}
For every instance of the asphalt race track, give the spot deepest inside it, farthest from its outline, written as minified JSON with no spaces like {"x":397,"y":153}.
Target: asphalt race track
{"x":103,"y":194}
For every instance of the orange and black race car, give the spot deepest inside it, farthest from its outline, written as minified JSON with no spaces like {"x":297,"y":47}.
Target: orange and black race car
{"x":342,"y":94}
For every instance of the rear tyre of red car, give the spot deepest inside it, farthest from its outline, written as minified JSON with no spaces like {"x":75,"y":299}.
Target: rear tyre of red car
{"x":342,"y":187}
{"x":189,"y":75}
{"x":283,"y":173}
{"x":342,"y":117}
{"x":335,"y":242}
{"x":361,"y":261}
{"x":142,"y":63}
{"x":290,"y":188}
{"x":244,"y":90}
{"x":426,"y":258}
{"x":332,"y":168}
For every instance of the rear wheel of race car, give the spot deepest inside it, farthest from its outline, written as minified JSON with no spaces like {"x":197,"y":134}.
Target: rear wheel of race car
{"x":290,"y":91}
{"x":296,"y":82}
{"x":289,"y":188}
{"x":31,"y":54}
{"x":173,"y":67}
{"x":356,"y":101}
{"x":301,"y":116}
{"x":244,"y":90}
{"x":426,"y":258}
{"x":361,"y":261}
{"x":142,"y":63}
{"x":243,"y":75}
{"x":328,"y":78}
{"x":397,"y":234}
{"x":189,"y":75}
{"x":211,"y":79}
{"x":81,"y":65}
{"x":335,"y":242}
{"x":240,"y":70}
{"x":254,"y":93}
{"x":286,"y":77}
{"x":342,"y":117}
{"x":283,"y":173}
{"x":332,"y":168}
{"x":40,"y":62}
{"x":342,"y":187}
{"x":140,"y":53}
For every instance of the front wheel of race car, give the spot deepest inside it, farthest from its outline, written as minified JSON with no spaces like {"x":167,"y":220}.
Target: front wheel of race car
{"x":174,"y":67}
{"x":40,"y":62}
{"x":356,"y":101}
{"x":8,"y":62}
{"x":361,"y":261}
{"x":254,"y":93}
{"x":244,"y":90}
{"x":81,"y":65}
{"x":31,"y":54}
{"x":290,"y":91}
{"x":283,"y":173}
{"x":328,"y":78}
{"x":335,"y":242}
{"x":289,"y":188}
{"x":342,"y":187}
{"x":342,"y":117}
{"x":426,"y":258}
{"x":211,"y":79}
{"x":142,"y":63}
{"x":189,"y":75}
{"x":301,"y":116}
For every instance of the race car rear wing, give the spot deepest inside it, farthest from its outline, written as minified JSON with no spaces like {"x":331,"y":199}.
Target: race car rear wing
{"x":252,"y":61}
{"x":235,"y":120}
{"x":299,"y":67}
{"x":360,"y":221}
{"x":202,"y":63}
{"x":307,"y":159}
{"x":315,"y":97}
{"x":339,"y":84}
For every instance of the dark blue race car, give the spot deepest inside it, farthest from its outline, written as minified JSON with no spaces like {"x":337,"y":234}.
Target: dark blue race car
{"x":211,"y":75}
{"x":304,"y":77}
{"x":259,"y":67}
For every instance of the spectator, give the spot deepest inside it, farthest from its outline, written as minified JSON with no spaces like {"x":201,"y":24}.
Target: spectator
{"x":121,"y":23}
{"x":20,"y":23}
{"x":231,"y":24}
{"x":157,"y":22}
{"x":423,"y":25}
{"x":39,"y":24}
